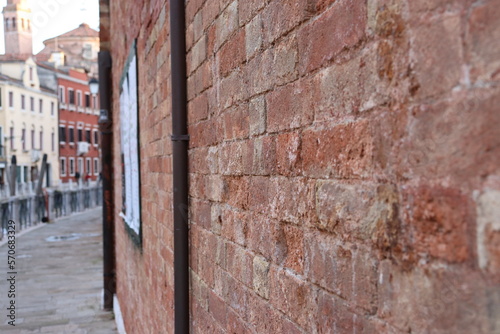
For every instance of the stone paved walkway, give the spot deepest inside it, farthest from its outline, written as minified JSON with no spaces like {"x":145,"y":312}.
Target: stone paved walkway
{"x":58,"y":283}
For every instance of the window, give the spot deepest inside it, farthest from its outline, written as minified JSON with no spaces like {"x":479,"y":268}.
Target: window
{"x":31,"y":73}
{"x":2,"y":146}
{"x":61,"y":94}
{"x":96,"y":138}
{"x":53,"y":141}
{"x":88,"y":136}
{"x":23,"y":102}
{"x":71,"y":93}
{"x":80,"y":166}
{"x":71,"y":135}
{"x":72,"y":166}
{"x":12,"y":146}
{"x":62,"y":134}
{"x":94,"y":101}
{"x":87,"y":100}
{"x":14,"y":23}
{"x":79,"y":98}
{"x":52,"y":108}
{"x":41,"y":140}
{"x":63,"y":166}
{"x":11,"y":99}
{"x":0,"y":97}
{"x":96,"y":166}
{"x":32,"y":104}
{"x":40,"y":105}
{"x":22,"y":23}
{"x":89,"y":166}
{"x":32,"y":139}
{"x":23,"y":139}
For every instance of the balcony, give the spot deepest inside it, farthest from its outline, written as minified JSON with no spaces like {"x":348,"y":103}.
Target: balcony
{"x":80,"y":109}
{"x":36,"y":155}
{"x":82,"y":148}
{"x":71,"y":107}
{"x":62,"y":105}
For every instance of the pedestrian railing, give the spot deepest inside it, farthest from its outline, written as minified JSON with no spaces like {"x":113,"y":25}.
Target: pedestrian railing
{"x":30,"y":209}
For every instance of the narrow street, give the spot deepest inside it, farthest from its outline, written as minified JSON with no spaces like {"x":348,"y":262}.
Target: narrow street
{"x":58,"y":285}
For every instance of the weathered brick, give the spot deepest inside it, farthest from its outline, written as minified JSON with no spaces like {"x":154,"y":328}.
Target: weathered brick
{"x":261,"y":276}
{"x":437,"y":53}
{"x":439,"y":219}
{"x":266,"y":237}
{"x":288,"y":147}
{"x":253,"y":41}
{"x":217,"y":308}
{"x":198,"y":25}
{"x":279,"y":17}
{"x":232,"y":53}
{"x":333,"y":315}
{"x":448,"y":133}
{"x":233,"y":89}
{"x":289,"y":107}
{"x":295,"y":248}
{"x":259,"y":71}
{"x":482,"y":45}
{"x":263,"y":318}
{"x":339,"y":28}
{"x":488,"y":227}
{"x":291,"y":295}
{"x":215,"y":188}
{"x":198,"y":108}
{"x":329,"y":265}
{"x":236,"y":123}
{"x":257,"y":115}
{"x":226,"y":24}
{"x":197,"y":55}
{"x":235,"y":158}
{"x":236,"y":191}
{"x":240,"y":264}
{"x":358,"y":85}
{"x":440,"y":300}
{"x":203,"y":134}
{"x":247,"y":9}
{"x":364,"y":291}
{"x":342,"y":151}
{"x":294,"y":201}
{"x":264,"y":155}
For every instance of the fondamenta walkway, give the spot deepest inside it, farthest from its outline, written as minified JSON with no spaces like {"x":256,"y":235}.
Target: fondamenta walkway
{"x":52,"y":283}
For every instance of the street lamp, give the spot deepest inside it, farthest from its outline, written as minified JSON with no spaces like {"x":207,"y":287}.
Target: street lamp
{"x":94,"y":86}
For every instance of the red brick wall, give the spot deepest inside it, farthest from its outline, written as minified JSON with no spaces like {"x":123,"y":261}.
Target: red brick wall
{"x":145,"y":275}
{"x":344,"y":166}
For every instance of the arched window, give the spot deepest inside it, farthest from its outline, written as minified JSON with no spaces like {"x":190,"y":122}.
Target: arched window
{"x":7,"y":21}
{"x":14,"y":23}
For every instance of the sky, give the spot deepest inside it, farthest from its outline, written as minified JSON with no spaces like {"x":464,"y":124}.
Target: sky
{"x":51,"y":18}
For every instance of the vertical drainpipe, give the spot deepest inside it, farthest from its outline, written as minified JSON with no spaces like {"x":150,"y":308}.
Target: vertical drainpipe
{"x":106,"y":127}
{"x":180,"y":140}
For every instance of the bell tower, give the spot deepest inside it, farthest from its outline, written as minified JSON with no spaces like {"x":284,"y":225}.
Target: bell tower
{"x":17,"y":27}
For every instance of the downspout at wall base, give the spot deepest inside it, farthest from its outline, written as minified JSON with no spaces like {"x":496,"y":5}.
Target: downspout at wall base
{"x":180,"y":141}
{"x":106,"y":129}
{"x":108,"y":230}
